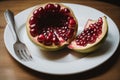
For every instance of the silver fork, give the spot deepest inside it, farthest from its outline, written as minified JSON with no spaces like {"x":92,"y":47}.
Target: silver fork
{"x":20,"y":48}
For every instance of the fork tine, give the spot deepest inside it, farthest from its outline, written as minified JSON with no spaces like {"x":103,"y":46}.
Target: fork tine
{"x":18,"y":54}
{"x":22,"y":52}
{"x":25,"y":55}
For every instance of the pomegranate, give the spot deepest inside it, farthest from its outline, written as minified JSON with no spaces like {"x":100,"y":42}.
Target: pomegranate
{"x":90,"y":38}
{"x":51,"y":26}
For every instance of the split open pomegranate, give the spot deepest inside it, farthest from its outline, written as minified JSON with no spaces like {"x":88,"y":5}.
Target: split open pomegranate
{"x":51,"y":26}
{"x":91,"y":37}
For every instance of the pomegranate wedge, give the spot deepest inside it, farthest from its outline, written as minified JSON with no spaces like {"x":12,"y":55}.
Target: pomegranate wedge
{"x":91,"y":37}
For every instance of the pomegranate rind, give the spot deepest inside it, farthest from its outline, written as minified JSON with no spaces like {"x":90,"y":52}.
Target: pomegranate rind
{"x":91,"y":47}
{"x":52,"y":47}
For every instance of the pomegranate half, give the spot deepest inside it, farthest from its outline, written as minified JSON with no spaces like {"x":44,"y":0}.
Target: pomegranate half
{"x":91,"y":37}
{"x":51,"y":26}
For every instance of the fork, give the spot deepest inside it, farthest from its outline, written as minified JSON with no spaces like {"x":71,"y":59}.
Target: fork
{"x":20,"y":48}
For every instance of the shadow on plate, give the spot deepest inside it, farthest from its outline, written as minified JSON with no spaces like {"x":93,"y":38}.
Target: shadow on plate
{"x":53,"y":55}
{"x":57,"y":55}
{"x":103,"y":68}
{"x":106,"y":46}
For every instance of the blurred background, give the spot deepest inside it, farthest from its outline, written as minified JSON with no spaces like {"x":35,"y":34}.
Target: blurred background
{"x":116,"y":2}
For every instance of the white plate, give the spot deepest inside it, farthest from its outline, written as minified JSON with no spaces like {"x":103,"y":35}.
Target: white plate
{"x":65,"y":61}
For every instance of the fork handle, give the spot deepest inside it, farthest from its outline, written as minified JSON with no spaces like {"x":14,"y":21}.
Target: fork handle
{"x":9,"y":16}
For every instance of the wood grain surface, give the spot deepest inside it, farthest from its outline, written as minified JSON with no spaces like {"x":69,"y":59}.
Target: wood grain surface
{"x":12,"y":70}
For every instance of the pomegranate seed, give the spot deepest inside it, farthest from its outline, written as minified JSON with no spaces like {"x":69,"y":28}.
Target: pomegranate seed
{"x":62,"y":35}
{"x":98,"y":23}
{"x":81,"y":43}
{"x":47,"y":41}
{"x":59,"y":30}
{"x":77,"y":42}
{"x":70,"y":17}
{"x":94,"y":25}
{"x":37,"y":12}
{"x":57,"y":7}
{"x":99,"y":31}
{"x":91,"y":25}
{"x":50,"y":35}
{"x":85,"y":30}
{"x":63,"y":31}
{"x":33,"y":26}
{"x":91,"y":31}
{"x":72,"y":22}
{"x":33,"y":20}
{"x":100,"y":27}
{"x":84,"y":43}
{"x":33,"y":32}
{"x":92,"y":40}
{"x":69,"y":33}
{"x":66,"y":23}
{"x":83,"y":34}
{"x":95,"y":30}
{"x":49,"y":7}
{"x":41,"y":38}
{"x":40,"y":11}
{"x":47,"y":31}
{"x":88,"y":33}
{"x":55,"y":40}
{"x":88,"y":38}
{"x":65,"y":10}
{"x":64,"y":28}
{"x":95,"y":35}
{"x":100,"y":20}
{"x":83,"y":38}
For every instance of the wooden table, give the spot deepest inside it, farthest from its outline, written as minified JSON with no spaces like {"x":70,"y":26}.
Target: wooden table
{"x":12,"y":70}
